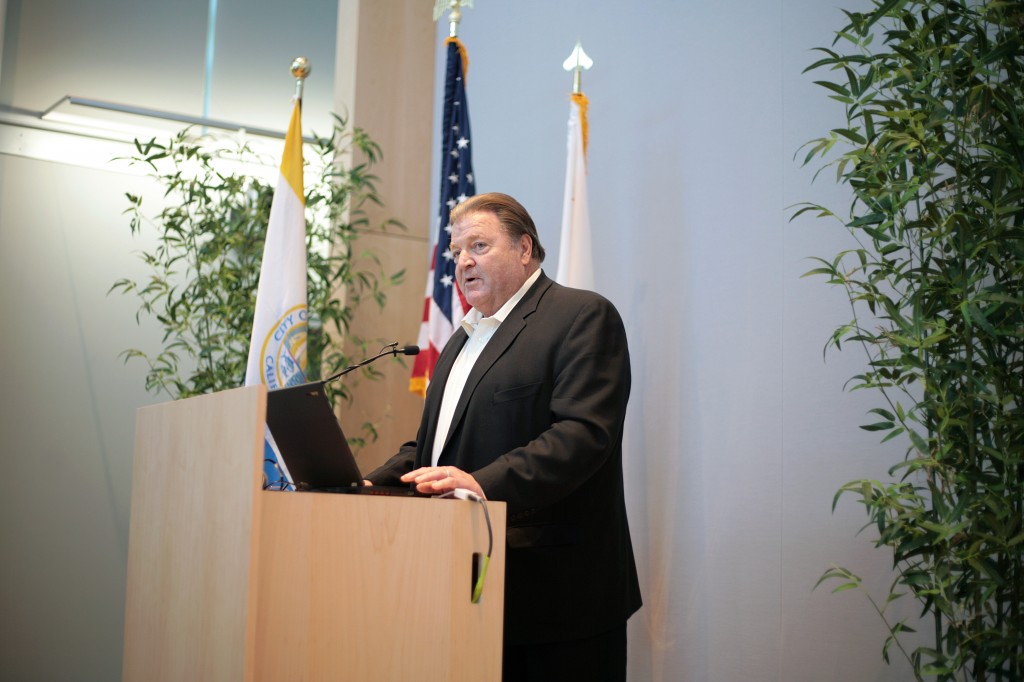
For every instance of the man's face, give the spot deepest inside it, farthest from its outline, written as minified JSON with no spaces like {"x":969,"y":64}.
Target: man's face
{"x":489,"y":266}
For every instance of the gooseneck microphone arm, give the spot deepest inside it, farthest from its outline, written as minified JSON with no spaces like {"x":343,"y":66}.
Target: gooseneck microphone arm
{"x":390,"y":349}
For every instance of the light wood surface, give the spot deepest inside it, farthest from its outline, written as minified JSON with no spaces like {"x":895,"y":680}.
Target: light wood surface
{"x":230,"y":582}
{"x":384,"y":585}
{"x":190,"y":536}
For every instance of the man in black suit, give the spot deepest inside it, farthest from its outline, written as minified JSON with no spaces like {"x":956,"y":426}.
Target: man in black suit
{"x":527,"y":405}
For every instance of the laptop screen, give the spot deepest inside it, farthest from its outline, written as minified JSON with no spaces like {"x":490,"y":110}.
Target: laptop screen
{"x":309,"y":438}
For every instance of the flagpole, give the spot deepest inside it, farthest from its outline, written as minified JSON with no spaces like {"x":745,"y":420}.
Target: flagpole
{"x":454,"y":9}
{"x":577,"y":62}
{"x":301,"y":69}
{"x":454,"y":17}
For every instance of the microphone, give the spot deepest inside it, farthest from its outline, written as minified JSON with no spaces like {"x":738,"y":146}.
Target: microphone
{"x":390,"y":349}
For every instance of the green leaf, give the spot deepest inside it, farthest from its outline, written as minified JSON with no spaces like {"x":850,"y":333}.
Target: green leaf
{"x":893,"y":434}
{"x":851,"y":135}
{"x":885,"y":414}
{"x":838,"y":89}
{"x":870,"y":219}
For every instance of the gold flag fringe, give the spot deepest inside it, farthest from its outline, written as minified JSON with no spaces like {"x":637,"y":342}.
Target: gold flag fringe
{"x":462,"y":53}
{"x":581,"y":101}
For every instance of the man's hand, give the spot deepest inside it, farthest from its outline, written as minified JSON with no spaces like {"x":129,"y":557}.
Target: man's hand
{"x":440,"y":480}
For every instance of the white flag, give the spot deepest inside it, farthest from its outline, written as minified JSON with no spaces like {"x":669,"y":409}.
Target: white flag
{"x":575,"y":262}
{"x":277,"y":348}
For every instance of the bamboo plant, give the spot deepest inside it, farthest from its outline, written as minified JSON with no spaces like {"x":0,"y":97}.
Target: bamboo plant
{"x":204,"y":267}
{"x":932,"y":151}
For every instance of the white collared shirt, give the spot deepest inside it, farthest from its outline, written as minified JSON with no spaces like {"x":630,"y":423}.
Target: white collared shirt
{"x":480,"y":330}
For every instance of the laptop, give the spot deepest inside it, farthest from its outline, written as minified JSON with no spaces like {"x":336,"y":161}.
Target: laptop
{"x":313,"y":447}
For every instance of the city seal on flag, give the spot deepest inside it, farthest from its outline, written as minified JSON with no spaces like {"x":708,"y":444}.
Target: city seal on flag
{"x":283,"y":355}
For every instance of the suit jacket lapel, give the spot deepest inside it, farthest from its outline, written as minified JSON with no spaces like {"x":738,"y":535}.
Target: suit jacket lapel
{"x":496,"y":347}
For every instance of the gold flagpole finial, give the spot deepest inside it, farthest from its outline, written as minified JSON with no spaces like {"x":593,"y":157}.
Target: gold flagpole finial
{"x":577,"y":62}
{"x":454,"y":9}
{"x":301,"y":68}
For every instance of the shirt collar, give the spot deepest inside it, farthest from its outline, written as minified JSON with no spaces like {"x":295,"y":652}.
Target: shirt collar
{"x":473,"y":317}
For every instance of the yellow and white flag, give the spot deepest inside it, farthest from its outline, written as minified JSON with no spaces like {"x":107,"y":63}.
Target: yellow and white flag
{"x":277,"y":348}
{"x":575,"y":261}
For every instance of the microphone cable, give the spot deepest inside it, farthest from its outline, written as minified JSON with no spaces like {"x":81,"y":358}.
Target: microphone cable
{"x":464,"y":494}
{"x":478,"y":589}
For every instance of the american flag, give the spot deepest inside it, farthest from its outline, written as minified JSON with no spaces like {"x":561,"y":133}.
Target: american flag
{"x":444,"y":305}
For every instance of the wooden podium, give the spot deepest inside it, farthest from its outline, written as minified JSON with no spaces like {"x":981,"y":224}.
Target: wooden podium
{"x":230,"y":582}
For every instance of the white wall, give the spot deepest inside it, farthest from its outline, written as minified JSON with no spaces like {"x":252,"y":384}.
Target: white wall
{"x":68,"y":402}
{"x":738,"y":433}
{"x":67,"y":420}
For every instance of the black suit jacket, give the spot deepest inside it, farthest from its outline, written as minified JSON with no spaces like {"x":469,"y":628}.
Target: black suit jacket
{"x":539,"y":425}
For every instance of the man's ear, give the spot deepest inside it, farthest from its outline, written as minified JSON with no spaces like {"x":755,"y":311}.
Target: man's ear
{"x":526,"y":248}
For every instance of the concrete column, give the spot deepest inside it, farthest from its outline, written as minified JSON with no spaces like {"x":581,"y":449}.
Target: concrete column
{"x":384,"y":79}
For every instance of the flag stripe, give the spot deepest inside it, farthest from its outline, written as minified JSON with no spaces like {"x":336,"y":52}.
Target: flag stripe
{"x":291,"y":160}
